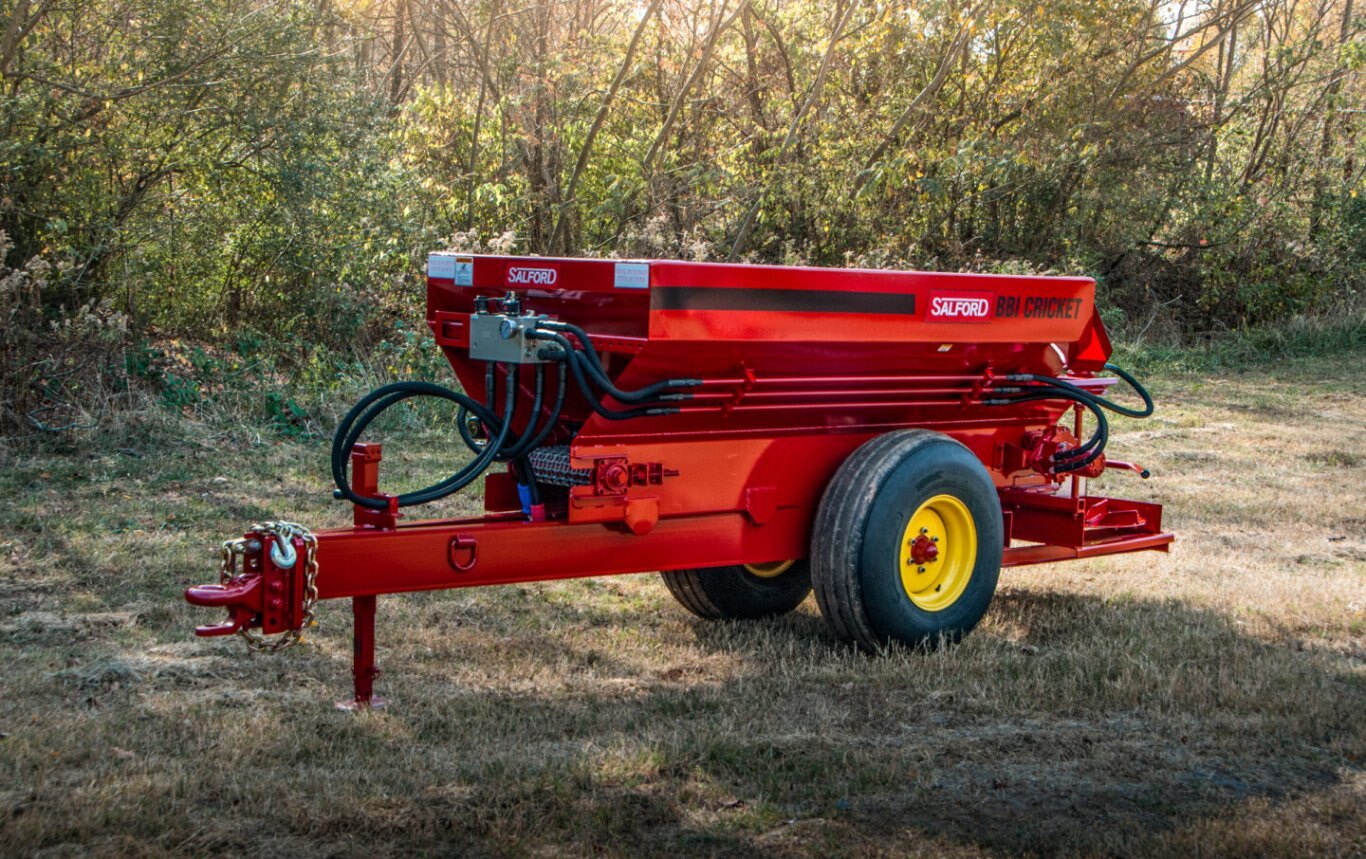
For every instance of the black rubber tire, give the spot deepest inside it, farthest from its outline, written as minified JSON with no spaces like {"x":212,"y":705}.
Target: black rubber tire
{"x":718,"y":593}
{"x":855,"y":543}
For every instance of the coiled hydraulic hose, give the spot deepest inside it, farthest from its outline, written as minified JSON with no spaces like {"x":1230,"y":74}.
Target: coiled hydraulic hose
{"x":529,"y":439}
{"x":534,"y":437}
{"x":370,"y":406}
{"x":1083,"y":454}
{"x":502,"y":445}
{"x":1142,"y":392}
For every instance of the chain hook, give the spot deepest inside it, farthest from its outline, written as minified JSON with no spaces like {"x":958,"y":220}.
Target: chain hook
{"x":282,"y":553}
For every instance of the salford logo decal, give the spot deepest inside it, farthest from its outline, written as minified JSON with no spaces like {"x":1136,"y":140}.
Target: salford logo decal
{"x":522,"y":276}
{"x":960,"y":306}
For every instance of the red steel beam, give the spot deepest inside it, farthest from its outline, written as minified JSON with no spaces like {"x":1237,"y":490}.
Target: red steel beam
{"x":1019,"y":556}
{"x":425,"y":556}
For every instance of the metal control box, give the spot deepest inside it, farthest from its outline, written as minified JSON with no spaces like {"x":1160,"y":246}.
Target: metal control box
{"x":504,"y":338}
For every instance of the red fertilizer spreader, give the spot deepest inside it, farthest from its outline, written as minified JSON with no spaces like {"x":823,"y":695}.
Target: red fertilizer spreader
{"x":889,"y":440}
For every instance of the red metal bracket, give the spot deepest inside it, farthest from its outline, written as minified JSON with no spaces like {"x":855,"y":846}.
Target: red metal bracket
{"x":365,"y":459}
{"x":450,"y":329}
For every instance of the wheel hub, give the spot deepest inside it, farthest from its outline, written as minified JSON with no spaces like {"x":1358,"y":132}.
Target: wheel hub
{"x":924,"y":550}
{"x":938,"y":552}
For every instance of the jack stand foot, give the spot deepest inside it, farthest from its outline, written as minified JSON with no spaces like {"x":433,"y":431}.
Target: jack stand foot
{"x":351,"y":705}
{"x":363,"y":668}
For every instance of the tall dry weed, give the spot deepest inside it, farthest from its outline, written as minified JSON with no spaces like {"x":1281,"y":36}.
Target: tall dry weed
{"x":61,"y":362}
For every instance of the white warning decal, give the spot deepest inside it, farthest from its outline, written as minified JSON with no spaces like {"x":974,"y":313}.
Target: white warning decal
{"x":440,"y":266}
{"x":632,"y":275}
{"x":464,"y":271}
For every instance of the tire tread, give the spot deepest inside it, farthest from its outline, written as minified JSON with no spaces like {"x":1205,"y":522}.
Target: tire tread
{"x":720,"y":593}
{"x":837,"y":534}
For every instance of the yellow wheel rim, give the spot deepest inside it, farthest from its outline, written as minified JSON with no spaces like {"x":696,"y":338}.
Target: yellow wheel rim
{"x":937,"y":553}
{"x":771,"y":570}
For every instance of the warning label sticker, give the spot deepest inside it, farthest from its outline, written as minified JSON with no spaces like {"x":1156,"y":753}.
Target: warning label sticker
{"x":464,"y":271}
{"x":448,"y":266}
{"x":632,"y":275}
{"x":440,"y":266}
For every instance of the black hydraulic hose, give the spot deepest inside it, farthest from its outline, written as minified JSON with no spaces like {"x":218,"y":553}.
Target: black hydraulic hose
{"x":1051,"y":387}
{"x":526,"y":477}
{"x":462,"y":416}
{"x":1082,"y":455}
{"x":513,"y":449}
{"x":1093,"y":447}
{"x":1138,"y":389}
{"x":372,"y":404}
{"x":598,"y":376}
{"x":1142,"y":392}
{"x":598,"y":372}
{"x":555,"y":410}
{"x":530,"y":439}
{"x":520,"y":447}
{"x":1075,"y":395}
{"x":461,"y":479}
{"x":584,"y":364}
{"x":1102,"y":433}
{"x":1086,"y":453}
{"x":517,"y":453}
{"x":594,"y":369}
{"x":575,"y":360}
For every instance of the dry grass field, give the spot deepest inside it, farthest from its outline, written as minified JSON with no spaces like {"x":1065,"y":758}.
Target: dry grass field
{"x":1208,"y":702}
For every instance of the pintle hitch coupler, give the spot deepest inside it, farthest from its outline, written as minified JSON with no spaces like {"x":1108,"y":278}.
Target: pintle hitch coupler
{"x":271,"y":592}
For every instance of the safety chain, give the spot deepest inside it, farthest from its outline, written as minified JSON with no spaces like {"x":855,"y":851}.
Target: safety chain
{"x":282,"y":554}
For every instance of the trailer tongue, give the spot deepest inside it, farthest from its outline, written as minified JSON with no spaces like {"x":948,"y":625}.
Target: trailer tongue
{"x":888,"y":439}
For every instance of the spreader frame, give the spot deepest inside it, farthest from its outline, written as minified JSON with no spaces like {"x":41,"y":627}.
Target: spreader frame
{"x":791,"y":370}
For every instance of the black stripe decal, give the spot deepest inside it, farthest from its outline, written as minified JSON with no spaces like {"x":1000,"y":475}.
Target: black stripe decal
{"x":791,"y":300}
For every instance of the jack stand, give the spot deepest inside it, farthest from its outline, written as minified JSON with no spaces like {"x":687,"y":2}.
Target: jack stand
{"x":363,"y":660}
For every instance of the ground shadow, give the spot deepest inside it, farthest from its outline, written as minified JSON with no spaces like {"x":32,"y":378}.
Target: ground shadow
{"x":1135,"y":745}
